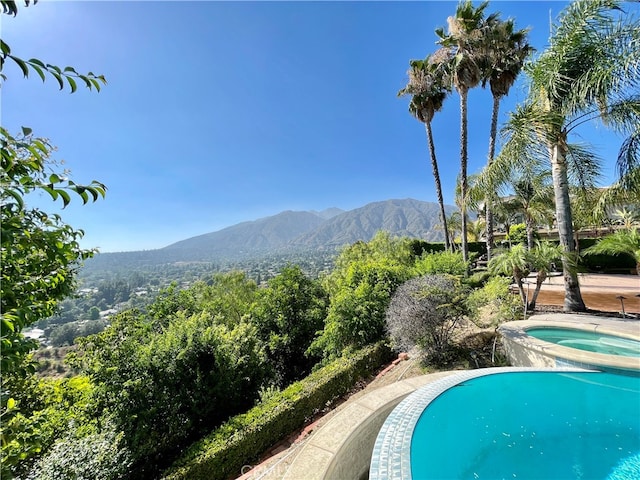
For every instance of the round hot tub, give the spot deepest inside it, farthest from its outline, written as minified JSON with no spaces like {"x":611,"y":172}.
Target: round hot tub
{"x":591,"y":341}
{"x":585,"y":341}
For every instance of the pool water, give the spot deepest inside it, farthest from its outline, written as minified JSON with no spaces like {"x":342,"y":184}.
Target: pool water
{"x":531,"y":425}
{"x":588,"y":340}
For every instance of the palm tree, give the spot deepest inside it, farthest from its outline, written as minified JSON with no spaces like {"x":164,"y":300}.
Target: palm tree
{"x":526,"y":191}
{"x":625,"y":191}
{"x":627,"y":217}
{"x":588,"y":72}
{"x":541,"y":259}
{"x":535,"y":198}
{"x":505,"y":53}
{"x":584,"y":203}
{"x":463,"y":39}
{"x":429,"y":90}
{"x":621,"y":241}
{"x":476,"y":229}
{"x":513,"y":262}
{"x":454,"y":221}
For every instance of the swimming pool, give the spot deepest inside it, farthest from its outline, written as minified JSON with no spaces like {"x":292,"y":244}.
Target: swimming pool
{"x":591,"y":341}
{"x":514,"y":423}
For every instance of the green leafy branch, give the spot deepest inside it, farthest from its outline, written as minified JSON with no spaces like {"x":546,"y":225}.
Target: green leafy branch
{"x":69,"y":74}
{"x":11,"y":8}
{"x":23,"y":161}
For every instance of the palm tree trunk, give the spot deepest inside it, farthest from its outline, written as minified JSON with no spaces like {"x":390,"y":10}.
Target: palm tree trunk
{"x":540,"y":278}
{"x":523,"y":296}
{"x":463,"y":170}
{"x":436,"y":178}
{"x":572,"y":297}
{"x":492,"y":151}
{"x":529,"y":227}
{"x":452,"y":241}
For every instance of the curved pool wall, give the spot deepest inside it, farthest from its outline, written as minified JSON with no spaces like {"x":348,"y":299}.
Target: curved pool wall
{"x":342,"y":448}
{"x":523,"y":350}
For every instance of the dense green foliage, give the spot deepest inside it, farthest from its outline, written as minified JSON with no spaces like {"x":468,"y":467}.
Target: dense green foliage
{"x":517,"y":233}
{"x":45,"y":410}
{"x":360,"y":288}
{"x":40,"y":255}
{"x":494,"y":303}
{"x":166,"y":385}
{"x":243,"y":438}
{"x":199,"y":356}
{"x":450,"y":263}
{"x":288,"y":314}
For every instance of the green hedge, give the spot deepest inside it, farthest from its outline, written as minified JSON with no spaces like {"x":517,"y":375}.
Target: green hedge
{"x":419,"y":247}
{"x":244,"y":437}
{"x":604,"y":263}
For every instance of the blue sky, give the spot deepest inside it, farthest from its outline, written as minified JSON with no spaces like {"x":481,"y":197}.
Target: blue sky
{"x":221,"y":112}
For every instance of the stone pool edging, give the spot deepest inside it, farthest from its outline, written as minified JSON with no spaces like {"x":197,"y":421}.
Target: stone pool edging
{"x":527,"y":351}
{"x":343,"y":447}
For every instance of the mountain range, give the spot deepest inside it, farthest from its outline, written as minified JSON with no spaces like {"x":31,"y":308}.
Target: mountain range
{"x":297,"y":231}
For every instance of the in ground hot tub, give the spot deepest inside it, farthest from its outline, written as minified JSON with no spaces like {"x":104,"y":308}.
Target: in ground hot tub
{"x":591,"y":341}
{"x":586,"y":341}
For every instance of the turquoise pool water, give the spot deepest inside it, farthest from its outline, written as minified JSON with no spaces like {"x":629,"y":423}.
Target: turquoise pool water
{"x":587,"y":340}
{"x":531,"y":425}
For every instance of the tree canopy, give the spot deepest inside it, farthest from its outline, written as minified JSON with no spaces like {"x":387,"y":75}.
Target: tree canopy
{"x":40,"y":253}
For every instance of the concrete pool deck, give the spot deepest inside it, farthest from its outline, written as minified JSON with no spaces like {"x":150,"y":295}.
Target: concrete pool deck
{"x":335,"y":442}
{"x":337,"y":451}
{"x":599,"y":291}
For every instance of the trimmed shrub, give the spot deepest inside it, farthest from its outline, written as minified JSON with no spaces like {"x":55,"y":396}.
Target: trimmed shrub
{"x":244,"y":437}
{"x":517,"y":233}
{"x":420,"y":247}
{"x":479,"y":248}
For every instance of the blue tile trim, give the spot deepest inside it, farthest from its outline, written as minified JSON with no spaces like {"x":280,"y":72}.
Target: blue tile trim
{"x":391,"y":458}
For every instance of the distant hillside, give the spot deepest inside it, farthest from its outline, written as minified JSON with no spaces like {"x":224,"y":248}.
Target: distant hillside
{"x":404,"y":218}
{"x":290,"y":232}
{"x":265,"y":234}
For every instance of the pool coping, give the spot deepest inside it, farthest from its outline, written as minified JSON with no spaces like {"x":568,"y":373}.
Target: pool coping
{"x":343,"y":447}
{"x":525,"y":350}
{"x":391,"y":458}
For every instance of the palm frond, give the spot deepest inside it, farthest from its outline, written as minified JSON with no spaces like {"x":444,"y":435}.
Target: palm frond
{"x":584,"y":166}
{"x":619,"y":242}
